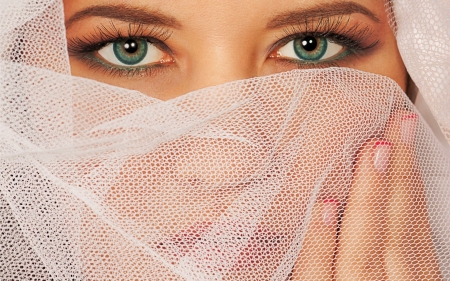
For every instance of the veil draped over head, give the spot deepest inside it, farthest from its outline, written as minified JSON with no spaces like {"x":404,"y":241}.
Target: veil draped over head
{"x":103,"y":183}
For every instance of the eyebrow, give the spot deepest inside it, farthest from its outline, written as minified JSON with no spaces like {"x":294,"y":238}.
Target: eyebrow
{"x":124,"y":13}
{"x":321,"y":11}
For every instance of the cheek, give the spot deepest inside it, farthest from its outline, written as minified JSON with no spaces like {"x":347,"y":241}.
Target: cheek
{"x":395,"y":67}
{"x":333,"y":122}
{"x":385,"y":61}
{"x":185,"y":181}
{"x":164,"y":84}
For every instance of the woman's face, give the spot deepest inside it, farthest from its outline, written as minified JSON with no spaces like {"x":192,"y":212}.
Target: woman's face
{"x":168,"y":48}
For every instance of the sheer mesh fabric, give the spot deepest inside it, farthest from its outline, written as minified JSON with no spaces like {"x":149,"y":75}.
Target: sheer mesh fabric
{"x":224,"y":183}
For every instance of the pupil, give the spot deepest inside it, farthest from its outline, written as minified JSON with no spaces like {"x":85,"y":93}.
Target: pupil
{"x":130,"y":46}
{"x":309,"y":43}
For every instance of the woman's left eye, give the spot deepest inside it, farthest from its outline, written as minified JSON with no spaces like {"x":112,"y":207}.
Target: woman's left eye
{"x":131,"y":52}
{"x":310,"y":49}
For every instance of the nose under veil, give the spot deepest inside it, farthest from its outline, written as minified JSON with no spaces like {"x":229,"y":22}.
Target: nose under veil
{"x":104,"y":183}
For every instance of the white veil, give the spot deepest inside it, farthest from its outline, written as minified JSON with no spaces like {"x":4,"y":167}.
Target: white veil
{"x":103,"y":183}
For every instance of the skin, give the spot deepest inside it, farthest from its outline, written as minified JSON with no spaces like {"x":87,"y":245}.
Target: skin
{"x":230,"y":40}
{"x":375,"y":240}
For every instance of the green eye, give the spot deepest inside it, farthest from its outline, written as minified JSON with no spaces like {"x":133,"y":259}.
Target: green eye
{"x":310,"y":49}
{"x":131,"y":52}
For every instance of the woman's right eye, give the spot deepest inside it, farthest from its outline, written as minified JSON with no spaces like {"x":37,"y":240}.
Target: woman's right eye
{"x":132,"y":52}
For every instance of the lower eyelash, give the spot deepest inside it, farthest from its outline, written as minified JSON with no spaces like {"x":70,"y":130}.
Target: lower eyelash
{"x":307,"y":65}
{"x":117,"y":71}
{"x":334,"y":62}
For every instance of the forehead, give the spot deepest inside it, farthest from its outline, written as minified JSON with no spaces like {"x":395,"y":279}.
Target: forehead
{"x":229,"y":13}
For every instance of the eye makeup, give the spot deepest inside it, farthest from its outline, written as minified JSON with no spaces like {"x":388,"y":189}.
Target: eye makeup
{"x":352,"y":37}
{"x":87,"y":48}
{"x":356,"y":37}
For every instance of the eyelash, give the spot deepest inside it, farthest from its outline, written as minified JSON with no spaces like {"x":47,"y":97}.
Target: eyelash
{"x":84,"y":47}
{"x":353,"y":38}
{"x":331,"y":28}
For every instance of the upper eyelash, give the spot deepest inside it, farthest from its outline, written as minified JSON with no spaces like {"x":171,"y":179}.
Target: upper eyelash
{"x":334,"y":28}
{"x":104,"y":35}
{"x":83,"y":47}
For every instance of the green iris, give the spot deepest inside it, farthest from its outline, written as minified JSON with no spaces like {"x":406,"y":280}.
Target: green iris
{"x":310,"y":48}
{"x":130,"y":51}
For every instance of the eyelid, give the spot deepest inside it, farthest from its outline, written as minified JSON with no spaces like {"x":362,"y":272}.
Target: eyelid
{"x":103,"y":35}
{"x":86,"y":47}
{"x":340,"y":29}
